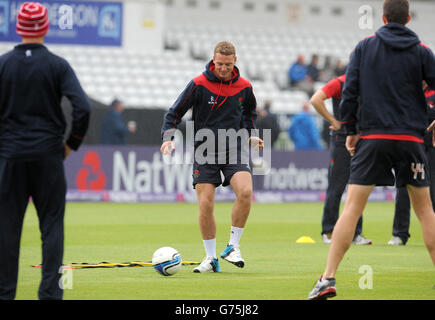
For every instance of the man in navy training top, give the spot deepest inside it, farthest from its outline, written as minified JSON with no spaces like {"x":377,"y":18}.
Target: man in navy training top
{"x":221,"y":100}
{"x":32,"y":148}
{"x":391,"y":129}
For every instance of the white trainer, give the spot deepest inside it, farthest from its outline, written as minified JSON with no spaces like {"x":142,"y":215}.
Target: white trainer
{"x":395,"y":241}
{"x":326,"y":238}
{"x":360,"y":240}
{"x":232,"y":254}
{"x":209,"y":264}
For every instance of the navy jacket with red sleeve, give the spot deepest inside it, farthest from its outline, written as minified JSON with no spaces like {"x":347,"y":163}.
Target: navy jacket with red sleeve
{"x":215,"y":104}
{"x":386,"y":71}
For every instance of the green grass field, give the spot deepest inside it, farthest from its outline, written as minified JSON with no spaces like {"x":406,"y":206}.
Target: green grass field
{"x":276,"y":267}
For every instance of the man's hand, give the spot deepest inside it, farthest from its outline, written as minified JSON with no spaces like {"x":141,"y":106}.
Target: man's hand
{"x":432,"y":128}
{"x":67,"y":150}
{"x":167,"y":147}
{"x":351,"y":142}
{"x":256,"y":143}
{"x":335,"y":125}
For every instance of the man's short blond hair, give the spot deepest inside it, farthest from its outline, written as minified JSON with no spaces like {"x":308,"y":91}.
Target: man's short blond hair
{"x":225,"y":48}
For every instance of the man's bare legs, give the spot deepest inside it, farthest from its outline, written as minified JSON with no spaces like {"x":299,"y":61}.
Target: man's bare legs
{"x":355,"y":202}
{"x":207,"y":223}
{"x":241,"y":182}
{"x":344,"y":230}
{"x":421,"y":202}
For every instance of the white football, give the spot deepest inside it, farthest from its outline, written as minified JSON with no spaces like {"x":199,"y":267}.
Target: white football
{"x":166,"y":261}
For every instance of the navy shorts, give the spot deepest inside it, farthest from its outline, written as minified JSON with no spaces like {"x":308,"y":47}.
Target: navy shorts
{"x":211,"y":173}
{"x":389,"y":162}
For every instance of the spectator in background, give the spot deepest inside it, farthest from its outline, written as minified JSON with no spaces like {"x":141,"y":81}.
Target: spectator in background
{"x":302,"y":77}
{"x":339,"y":69}
{"x":267,"y":120}
{"x":297,"y":72}
{"x":303,"y":130}
{"x":114,"y":131}
{"x":313,"y":69}
{"x":327,"y":72}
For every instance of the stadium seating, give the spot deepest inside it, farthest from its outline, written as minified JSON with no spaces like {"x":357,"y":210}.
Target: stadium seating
{"x":265,"y":53}
{"x":144,"y":80}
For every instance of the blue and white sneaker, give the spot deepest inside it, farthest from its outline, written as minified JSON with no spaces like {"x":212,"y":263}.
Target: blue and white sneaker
{"x":232,"y":254}
{"x":209,"y":264}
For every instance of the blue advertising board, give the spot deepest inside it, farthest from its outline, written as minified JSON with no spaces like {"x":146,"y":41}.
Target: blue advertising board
{"x":140,"y":174}
{"x":71,"y":22}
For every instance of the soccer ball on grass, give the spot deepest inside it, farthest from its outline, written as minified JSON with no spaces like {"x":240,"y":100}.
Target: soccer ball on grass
{"x":166,"y":261}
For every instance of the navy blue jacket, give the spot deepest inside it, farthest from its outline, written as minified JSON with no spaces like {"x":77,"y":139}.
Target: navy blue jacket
{"x":32,"y":83}
{"x":387,"y":70}
{"x":113,"y":130}
{"x":216,"y":104}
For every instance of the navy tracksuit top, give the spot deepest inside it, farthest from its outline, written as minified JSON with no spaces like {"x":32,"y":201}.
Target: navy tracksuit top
{"x":387,"y":70}
{"x":216,"y":104}
{"x":32,"y":83}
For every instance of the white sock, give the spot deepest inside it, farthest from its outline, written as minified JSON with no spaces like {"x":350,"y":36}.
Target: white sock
{"x":236,"y":234}
{"x":210,"y":247}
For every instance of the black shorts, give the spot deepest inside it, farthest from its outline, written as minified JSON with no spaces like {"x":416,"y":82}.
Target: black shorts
{"x":211,"y":173}
{"x":389,"y":162}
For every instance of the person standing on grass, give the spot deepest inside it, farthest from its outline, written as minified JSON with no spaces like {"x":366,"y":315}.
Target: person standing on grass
{"x":386,"y":71}
{"x":32,"y":148}
{"x":221,"y":100}
{"x":402,"y":212}
{"x":339,"y":166}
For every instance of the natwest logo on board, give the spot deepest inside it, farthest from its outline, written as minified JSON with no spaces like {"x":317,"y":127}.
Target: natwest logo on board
{"x":149,"y":176}
{"x":131,"y":171}
{"x":91,"y":176}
